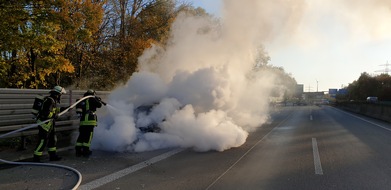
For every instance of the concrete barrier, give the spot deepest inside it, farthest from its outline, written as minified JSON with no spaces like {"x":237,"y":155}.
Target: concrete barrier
{"x":374,"y":110}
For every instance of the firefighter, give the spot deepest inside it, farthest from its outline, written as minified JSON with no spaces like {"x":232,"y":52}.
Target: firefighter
{"x":88,"y":121}
{"x":46,"y":131}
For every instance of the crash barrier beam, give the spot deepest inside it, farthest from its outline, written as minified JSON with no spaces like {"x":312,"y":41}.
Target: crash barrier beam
{"x":16,"y":106}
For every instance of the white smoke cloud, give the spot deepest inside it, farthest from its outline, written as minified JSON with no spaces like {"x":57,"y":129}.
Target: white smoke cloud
{"x":116,"y":129}
{"x":203,"y":88}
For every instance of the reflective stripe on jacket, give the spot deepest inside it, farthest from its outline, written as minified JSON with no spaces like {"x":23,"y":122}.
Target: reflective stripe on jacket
{"x":48,"y":112}
{"x":89,"y":117}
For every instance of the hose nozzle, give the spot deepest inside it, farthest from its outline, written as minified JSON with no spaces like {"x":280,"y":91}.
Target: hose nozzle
{"x":100,"y":100}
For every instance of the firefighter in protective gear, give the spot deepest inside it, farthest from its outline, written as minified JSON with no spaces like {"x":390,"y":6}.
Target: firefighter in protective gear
{"x":88,"y":121}
{"x":47,"y":133}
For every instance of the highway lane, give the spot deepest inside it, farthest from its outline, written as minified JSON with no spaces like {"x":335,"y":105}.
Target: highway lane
{"x":356,"y":150}
{"x":306,"y":147}
{"x":190,"y":169}
{"x":303,"y":148}
{"x":354,"y":153}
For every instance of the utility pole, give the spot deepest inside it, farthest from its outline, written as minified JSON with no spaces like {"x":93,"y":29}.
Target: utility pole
{"x":309,"y":95}
{"x":316,"y":85}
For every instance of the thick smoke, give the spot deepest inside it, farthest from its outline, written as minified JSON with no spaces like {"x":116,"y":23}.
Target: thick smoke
{"x":204,"y":91}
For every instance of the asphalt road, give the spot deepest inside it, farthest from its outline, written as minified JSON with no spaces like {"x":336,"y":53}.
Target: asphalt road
{"x":307,"y":147}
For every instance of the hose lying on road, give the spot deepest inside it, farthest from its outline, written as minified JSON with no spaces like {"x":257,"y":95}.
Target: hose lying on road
{"x":50,"y":165}
{"x":47,"y":164}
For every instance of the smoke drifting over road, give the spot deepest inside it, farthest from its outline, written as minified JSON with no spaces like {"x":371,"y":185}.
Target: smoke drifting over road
{"x":205,"y":92}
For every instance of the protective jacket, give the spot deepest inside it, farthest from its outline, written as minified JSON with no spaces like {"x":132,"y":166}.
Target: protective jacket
{"x":87,"y":109}
{"x":49,"y":111}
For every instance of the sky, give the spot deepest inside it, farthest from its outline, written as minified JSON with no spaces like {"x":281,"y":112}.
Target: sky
{"x":327,"y":44}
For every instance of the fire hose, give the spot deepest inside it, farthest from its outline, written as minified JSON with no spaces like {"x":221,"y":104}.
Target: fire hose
{"x":48,"y":164}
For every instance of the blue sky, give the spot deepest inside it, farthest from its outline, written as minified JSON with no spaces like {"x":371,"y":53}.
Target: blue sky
{"x":211,"y":6}
{"x":334,"y":42}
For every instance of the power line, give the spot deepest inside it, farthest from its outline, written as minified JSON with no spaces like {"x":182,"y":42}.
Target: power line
{"x":386,"y":69}
{"x":309,"y":88}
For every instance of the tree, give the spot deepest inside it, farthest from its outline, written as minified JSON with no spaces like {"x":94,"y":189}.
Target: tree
{"x":31,"y":52}
{"x":43,"y":41}
{"x":13,"y":18}
{"x":384,"y":93}
{"x":133,"y":27}
{"x":366,"y":85}
{"x":80,"y":32}
{"x":88,"y":44}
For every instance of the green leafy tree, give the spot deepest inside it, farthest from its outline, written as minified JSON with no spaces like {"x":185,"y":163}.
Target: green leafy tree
{"x":367,"y":85}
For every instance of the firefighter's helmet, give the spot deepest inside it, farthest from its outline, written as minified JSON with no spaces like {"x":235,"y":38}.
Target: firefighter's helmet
{"x":90,"y":92}
{"x":58,"y":90}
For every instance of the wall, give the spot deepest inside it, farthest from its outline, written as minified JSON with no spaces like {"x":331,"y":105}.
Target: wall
{"x":375,"y":110}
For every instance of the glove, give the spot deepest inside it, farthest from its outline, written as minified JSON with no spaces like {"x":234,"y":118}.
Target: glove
{"x":100,"y":100}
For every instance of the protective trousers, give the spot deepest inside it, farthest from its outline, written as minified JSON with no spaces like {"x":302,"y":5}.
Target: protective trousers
{"x":46,"y":138}
{"x":84,"y":140}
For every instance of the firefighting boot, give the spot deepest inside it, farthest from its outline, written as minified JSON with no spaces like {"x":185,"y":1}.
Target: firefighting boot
{"x":87,"y":152}
{"x":53,"y":156}
{"x":78,"y":151}
{"x":36,"y":158}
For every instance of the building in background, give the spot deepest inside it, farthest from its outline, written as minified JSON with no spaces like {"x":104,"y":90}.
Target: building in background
{"x":299,"y":90}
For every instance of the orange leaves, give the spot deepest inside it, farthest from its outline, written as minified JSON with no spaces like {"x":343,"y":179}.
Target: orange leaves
{"x":62,"y":41}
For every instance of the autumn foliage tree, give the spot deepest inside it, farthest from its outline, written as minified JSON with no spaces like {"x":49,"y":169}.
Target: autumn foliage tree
{"x":131,"y":27}
{"x":44,"y":42}
{"x":83,"y":44}
{"x":80,"y":32}
{"x":31,"y":52}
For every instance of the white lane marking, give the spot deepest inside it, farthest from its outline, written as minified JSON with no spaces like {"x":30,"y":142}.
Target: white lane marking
{"x":311,"y":118}
{"x":114,"y":176}
{"x":318,"y":165}
{"x":365,"y":120}
{"x":217,"y":179}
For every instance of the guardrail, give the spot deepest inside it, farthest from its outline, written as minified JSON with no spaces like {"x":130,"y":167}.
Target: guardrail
{"x":16,"y":106}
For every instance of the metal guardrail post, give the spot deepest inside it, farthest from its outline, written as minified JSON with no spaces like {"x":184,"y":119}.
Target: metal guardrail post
{"x":22,"y":145}
{"x":70,"y":102}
